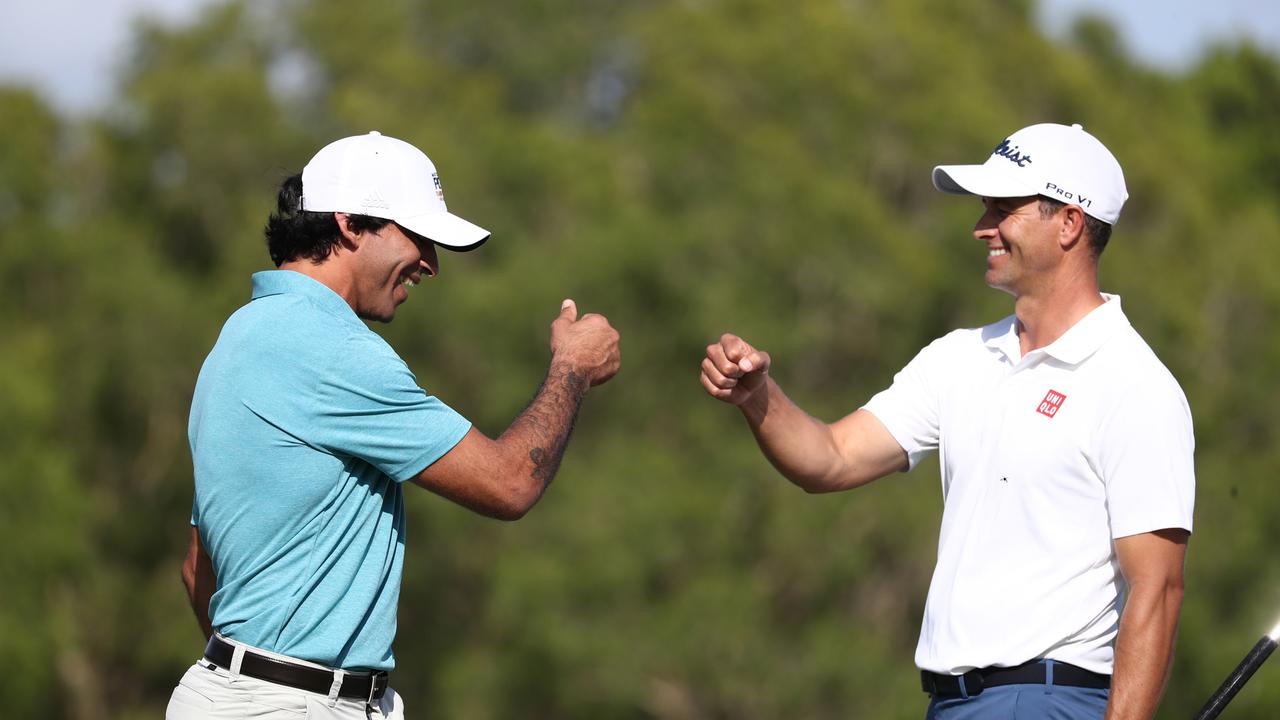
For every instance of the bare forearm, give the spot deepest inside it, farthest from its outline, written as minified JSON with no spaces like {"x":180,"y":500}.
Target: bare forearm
{"x":1144,"y":652}
{"x":800,"y":446}
{"x":540,"y":434}
{"x":505,"y":477}
{"x":817,"y":456}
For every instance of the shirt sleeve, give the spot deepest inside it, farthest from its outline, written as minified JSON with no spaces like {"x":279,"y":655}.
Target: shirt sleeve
{"x":370,"y":406}
{"x":1146,"y":458}
{"x":909,"y":407}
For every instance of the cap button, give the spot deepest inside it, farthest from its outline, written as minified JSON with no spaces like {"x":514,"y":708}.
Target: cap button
{"x":1077,"y":126}
{"x":375,"y":132}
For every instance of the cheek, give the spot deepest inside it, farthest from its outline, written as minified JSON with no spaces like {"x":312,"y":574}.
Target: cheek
{"x":1019,"y":233}
{"x":1008,"y":229}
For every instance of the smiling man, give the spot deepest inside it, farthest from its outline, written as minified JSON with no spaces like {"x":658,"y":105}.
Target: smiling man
{"x":1065,"y":447}
{"x":305,"y":426}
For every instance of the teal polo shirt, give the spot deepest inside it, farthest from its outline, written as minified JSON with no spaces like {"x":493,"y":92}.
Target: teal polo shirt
{"x":303,"y":426}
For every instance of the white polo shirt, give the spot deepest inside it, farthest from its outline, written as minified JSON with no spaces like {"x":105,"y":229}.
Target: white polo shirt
{"x":1045,"y":460}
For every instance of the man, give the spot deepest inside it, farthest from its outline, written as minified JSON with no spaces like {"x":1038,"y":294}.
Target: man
{"x":1065,"y":449}
{"x":305,"y":424}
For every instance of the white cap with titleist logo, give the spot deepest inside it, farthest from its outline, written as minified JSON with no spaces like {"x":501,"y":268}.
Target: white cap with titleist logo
{"x":387,"y":178}
{"x":1057,"y":161}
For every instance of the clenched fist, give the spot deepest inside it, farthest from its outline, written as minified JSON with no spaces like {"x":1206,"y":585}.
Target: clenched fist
{"x":733,"y":370}
{"x":587,"y":345}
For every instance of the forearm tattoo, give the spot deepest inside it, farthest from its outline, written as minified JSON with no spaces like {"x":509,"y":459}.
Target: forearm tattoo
{"x":550,"y":418}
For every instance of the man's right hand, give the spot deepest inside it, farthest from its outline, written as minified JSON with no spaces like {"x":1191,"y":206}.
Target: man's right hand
{"x":586,"y":345}
{"x":733,"y":370}
{"x":817,"y":456}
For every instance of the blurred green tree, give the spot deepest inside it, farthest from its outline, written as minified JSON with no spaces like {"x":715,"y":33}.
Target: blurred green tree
{"x":687,"y":168}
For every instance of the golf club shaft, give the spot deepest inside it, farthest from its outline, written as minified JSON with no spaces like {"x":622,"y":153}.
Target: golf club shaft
{"x":1237,"y":678}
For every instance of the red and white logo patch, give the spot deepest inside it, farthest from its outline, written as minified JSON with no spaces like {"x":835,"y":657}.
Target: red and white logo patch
{"x":1051,"y":404}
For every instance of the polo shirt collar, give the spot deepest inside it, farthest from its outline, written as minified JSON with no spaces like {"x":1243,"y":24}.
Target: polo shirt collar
{"x":288,"y":282}
{"x":1003,"y":338}
{"x":1076,"y":344}
{"x":1090,"y":333}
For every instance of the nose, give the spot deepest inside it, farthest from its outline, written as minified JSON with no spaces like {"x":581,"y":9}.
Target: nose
{"x":986,"y":226}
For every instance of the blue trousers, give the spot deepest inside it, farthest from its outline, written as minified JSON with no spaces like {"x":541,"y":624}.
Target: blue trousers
{"x":1023,"y":702}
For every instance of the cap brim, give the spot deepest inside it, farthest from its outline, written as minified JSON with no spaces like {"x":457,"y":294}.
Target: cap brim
{"x":981,"y":180}
{"x":447,"y":230}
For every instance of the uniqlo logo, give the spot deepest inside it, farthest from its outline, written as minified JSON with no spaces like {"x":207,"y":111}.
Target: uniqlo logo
{"x":1051,"y":404}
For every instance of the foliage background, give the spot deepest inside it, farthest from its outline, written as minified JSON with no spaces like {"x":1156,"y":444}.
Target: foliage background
{"x":686,"y":167}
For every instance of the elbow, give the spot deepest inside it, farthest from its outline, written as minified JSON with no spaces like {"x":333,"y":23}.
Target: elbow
{"x":813,"y":488}
{"x":510,"y":515}
{"x":827,"y":473}
{"x":810,"y":484}
{"x":813,"y":485}
{"x":517,"y":500}
{"x":828,"y":483}
{"x":509,"y":511}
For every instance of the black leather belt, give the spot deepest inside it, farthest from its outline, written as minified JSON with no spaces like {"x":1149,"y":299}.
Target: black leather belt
{"x":1028,"y":673}
{"x":359,"y":686}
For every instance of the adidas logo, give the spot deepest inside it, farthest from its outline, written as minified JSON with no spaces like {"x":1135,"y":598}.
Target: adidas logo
{"x":374,"y":200}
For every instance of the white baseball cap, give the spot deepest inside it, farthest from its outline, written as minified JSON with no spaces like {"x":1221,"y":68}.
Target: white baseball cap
{"x":387,"y":178}
{"x":1057,"y":161}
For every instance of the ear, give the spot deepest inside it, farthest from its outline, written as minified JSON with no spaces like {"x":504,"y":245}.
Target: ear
{"x":349,"y":239}
{"x":1071,"y":231}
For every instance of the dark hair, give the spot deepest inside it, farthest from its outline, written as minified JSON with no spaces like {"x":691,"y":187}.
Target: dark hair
{"x":295,"y":234}
{"x":1097,"y":231}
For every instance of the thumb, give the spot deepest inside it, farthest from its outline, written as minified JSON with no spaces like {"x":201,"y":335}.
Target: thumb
{"x":755,"y":360}
{"x":568,"y":310}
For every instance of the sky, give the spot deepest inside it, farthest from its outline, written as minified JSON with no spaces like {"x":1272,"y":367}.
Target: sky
{"x":73,"y":50}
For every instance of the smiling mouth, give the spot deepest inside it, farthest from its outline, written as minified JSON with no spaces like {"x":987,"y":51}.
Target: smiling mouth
{"x":994,"y":252}
{"x":408,"y":281}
